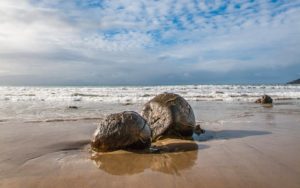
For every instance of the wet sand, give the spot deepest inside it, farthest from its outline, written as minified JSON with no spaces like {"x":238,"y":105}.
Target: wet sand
{"x":244,"y":146}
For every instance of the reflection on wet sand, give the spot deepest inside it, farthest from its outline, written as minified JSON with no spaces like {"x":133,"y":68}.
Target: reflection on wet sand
{"x":174,"y":156}
{"x":267,"y":105}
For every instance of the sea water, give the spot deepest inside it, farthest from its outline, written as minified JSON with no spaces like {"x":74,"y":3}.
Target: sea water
{"x":71,"y":103}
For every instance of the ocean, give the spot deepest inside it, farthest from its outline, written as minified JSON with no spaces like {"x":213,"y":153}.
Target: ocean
{"x":71,"y":103}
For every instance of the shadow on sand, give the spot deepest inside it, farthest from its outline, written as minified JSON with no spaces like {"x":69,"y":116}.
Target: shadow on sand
{"x":227,"y":134}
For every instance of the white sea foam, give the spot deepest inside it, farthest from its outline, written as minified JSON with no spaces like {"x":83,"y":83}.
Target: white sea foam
{"x":51,"y":103}
{"x":142,"y":94}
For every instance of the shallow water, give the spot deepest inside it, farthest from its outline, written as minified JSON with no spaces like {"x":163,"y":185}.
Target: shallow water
{"x":245,"y":145}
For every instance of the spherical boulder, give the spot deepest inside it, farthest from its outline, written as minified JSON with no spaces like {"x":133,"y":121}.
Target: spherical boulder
{"x":169,"y":114}
{"x":125,"y":130}
{"x":265,"y":99}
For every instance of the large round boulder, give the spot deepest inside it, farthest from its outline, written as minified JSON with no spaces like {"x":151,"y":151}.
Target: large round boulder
{"x":125,"y":130}
{"x":169,"y":114}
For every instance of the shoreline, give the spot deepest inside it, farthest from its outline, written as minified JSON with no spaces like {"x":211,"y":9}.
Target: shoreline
{"x":244,"y":146}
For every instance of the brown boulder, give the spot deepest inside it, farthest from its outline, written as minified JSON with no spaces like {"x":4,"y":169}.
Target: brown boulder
{"x":265,"y":99}
{"x":126,"y":130}
{"x":169,"y":114}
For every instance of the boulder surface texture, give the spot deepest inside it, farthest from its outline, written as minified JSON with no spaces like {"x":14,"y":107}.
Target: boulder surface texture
{"x":169,"y":114}
{"x":125,"y":130}
{"x":265,"y":99}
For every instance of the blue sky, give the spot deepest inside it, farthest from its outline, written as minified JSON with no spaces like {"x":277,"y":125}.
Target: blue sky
{"x":148,"y":42}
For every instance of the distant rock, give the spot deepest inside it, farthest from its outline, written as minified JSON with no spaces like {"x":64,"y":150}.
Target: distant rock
{"x":127,"y":104}
{"x":265,"y":99}
{"x":125,"y":130}
{"x":294,"y":82}
{"x":73,"y":107}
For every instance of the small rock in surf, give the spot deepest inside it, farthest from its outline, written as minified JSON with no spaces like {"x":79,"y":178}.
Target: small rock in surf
{"x":265,"y":99}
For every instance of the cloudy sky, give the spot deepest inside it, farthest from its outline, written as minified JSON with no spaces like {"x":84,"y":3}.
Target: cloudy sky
{"x":148,"y":42}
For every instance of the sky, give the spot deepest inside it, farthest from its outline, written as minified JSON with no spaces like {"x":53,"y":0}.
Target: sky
{"x":149,"y":42}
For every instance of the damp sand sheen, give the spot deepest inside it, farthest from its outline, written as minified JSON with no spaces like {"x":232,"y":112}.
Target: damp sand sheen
{"x":245,"y":145}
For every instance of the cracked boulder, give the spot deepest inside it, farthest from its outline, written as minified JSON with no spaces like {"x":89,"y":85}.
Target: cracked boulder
{"x":169,"y":114}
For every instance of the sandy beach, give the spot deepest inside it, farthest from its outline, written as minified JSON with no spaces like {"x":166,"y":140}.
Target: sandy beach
{"x":149,"y":94}
{"x":245,"y":145}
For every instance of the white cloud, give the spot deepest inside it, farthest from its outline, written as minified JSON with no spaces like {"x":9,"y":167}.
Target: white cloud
{"x":144,"y":38}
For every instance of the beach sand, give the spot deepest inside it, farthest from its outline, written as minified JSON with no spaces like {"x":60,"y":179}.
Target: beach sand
{"x":245,"y":145}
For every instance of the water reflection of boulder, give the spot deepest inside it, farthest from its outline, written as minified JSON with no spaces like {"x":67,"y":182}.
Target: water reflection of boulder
{"x":172,"y":158}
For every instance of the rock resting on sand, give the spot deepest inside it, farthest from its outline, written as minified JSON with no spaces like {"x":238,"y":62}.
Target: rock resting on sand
{"x":265,"y":99}
{"x":169,"y":114}
{"x":125,"y":130}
